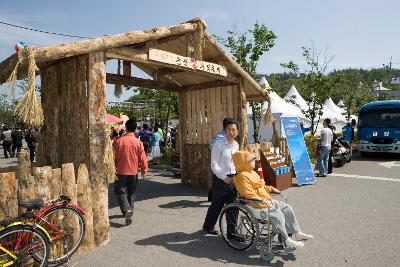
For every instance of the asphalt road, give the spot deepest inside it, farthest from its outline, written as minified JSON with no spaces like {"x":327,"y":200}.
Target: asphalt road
{"x":353,"y":214}
{"x":355,"y":221}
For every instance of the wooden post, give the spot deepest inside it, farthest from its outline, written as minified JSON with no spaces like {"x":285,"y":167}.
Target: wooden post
{"x":56,"y":183}
{"x":26,"y":183}
{"x":50,"y":130}
{"x":118,"y":86}
{"x":127,"y":70}
{"x":243,"y":119}
{"x":98,"y":178}
{"x":68,"y":181}
{"x":182,"y":134}
{"x":195,"y":42}
{"x":85,"y":202}
{"x":43,"y":176}
{"x":8,"y":196}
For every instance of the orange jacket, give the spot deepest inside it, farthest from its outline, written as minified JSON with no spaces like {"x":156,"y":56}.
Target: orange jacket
{"x":129,"y":154}
{"x":247,"y":181}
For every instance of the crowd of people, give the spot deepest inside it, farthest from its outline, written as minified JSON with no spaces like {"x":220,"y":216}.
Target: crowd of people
{"x":12,"y":140}
{"x":152,"y":138}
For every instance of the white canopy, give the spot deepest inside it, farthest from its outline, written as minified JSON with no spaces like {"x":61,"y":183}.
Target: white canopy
{"x":294,"y":95}
{"x":264,"y":83}
{"x":380,"y":88}
{"x":331,"y":111}
{"x":340,"y":104}
{"x":329,"y":103}
{"x":280,"y":106}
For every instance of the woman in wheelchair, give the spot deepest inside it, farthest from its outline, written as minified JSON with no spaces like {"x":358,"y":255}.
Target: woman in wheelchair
{"x":281,"y":215}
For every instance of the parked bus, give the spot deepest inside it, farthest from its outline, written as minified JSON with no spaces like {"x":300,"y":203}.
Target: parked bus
{"x":379,"y":127}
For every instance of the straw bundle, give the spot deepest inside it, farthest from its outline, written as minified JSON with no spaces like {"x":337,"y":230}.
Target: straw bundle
{"x":275,"y":135}
{"x":29,"y":108}
{"x":268,"y":115}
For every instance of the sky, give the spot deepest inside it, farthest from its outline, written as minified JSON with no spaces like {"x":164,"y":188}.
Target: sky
{"x":357,"y":33}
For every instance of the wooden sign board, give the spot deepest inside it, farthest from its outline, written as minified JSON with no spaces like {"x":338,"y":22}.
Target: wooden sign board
{"x":187,"y":62}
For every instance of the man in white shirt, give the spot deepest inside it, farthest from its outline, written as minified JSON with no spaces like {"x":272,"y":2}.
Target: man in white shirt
{"x":223,"y":191}
{"x":326,"y":139}
{"x":7,"y":141}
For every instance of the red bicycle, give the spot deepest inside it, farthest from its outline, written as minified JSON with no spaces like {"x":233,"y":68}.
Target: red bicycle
{"x":65,"y":223}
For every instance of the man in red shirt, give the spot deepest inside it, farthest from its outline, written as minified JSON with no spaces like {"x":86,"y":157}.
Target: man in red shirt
{"x":129,"y":154}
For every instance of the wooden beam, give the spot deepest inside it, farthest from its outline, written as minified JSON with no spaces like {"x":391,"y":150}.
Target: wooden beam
{"x":127,"y":54}
{"x":96,"y":44}
{"x":167,"y":71}
{"x":206,"y":85}
{"x":260,"y":98}
{"x":136,"y":56}
{"x":139,"y":82}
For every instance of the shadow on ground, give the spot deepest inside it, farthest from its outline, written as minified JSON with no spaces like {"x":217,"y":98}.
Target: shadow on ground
{"x":381,"y":157}
{"x":150,"y":189}
{"x":198,"y":245}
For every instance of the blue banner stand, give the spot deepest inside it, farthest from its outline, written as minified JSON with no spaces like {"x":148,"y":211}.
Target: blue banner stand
{"x":298,"y":151}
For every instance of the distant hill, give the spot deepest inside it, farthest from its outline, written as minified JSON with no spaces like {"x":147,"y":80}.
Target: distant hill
{"x":281,"y":82}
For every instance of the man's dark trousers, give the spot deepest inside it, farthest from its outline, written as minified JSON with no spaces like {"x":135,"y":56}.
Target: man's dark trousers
{"x":32,"y":152}
{"x":15,"y":147}
{"x":222,"y":194}
{"x":124,"y":189}
{"x":7,"y":147}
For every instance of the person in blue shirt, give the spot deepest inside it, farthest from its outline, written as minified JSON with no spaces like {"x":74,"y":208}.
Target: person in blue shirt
{"x":223,"y":190}
{"x":347,"y":131}
{"x":145,"y":136}
{"x":219,"y":135}
{"x":304,"y":129}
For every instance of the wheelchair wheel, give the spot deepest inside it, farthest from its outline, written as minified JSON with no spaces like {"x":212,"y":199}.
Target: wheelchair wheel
{"x":266,"y":253}
{"x":238,"y":227}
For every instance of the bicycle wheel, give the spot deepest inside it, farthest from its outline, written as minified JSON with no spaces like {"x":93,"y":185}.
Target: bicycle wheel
{"x":22,"y":245}
{"x":66,"y":227}
{"x":238,"y":227}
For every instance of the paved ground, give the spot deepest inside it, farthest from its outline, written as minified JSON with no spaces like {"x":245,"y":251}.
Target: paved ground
{"x":355,"y":221}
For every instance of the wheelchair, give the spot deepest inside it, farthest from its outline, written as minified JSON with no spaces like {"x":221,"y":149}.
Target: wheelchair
{"x":243,"y":227}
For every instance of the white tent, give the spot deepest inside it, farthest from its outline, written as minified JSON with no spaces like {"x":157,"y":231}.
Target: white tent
{"x":380,"y":88}
{"x":329,"y":103}
{"x":264,"y":83}
{"x":340,"y":104}
{"x":280,"y":108}
{"x":294,"y":95}
{"x":337,"y":119}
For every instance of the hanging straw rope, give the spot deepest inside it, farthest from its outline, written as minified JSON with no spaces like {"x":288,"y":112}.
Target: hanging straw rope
{"x":275,"y":135}
{"x":108,"y":160}
{"x":29,"y":108}
{"x":13,"y":76}
{"x":268,"y":115}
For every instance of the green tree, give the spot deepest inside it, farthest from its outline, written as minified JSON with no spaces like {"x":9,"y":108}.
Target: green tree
{"x":317,"y":85}
{"x":246,"y":49}
{"x":352,"y":91}
{"x":164,"y":104}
